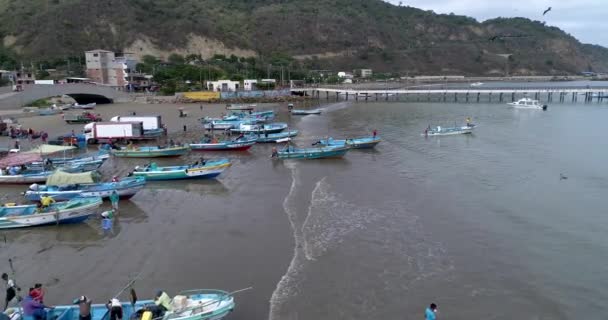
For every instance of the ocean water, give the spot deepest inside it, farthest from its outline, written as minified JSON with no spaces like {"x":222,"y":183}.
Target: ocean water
{"x":480,"y":224}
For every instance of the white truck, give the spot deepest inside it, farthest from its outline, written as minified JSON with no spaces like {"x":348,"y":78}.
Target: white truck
{"x":150,"y":122}
{"x":100,"y":132}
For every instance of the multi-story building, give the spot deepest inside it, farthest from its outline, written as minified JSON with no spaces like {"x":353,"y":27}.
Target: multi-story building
{"x":109,"y":68}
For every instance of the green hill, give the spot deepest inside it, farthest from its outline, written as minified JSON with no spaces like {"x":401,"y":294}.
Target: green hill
{"x":328,"y":34}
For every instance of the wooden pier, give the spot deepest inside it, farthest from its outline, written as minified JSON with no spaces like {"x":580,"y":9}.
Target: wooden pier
{"x":556,"y":94}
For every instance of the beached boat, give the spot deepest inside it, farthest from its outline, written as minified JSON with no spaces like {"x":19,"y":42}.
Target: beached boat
{"x":355,"y":143}
{"x":49,"y":111}
{"x":200,"y":304}
{"x":527,"y":103}
{"x":125,"y":187}
{"x":221,"y":124}
{"x":24,"y":176}
{"x":73,"y":211}
{"x":302,"y":112}
{"x":71,"y":167}
{"x":226,"y":145}
{"x":239,"y":107}
{"x":291,"y":152}
{"x":273,"y":137}
{"x":448,"y":131}
{"x":207,"y":170}
{"x":87,"y":106}
{"x":151,"y":152}
{"x":260,"y":128}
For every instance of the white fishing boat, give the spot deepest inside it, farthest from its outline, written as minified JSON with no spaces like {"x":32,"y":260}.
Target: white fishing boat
{"x":476,"y":84}
{"x":527,"y":103}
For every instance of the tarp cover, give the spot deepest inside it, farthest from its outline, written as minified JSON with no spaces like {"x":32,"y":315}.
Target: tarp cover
{"x":60,"y":178}
{"x":48,"y":149}
{"x":17,"y":159}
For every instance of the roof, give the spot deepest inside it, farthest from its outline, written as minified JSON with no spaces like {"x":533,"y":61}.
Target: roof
{"x":16,"y":159}
{"x":59,"y":178}
{"x":99,"y":50}
{"x":48,"y":149}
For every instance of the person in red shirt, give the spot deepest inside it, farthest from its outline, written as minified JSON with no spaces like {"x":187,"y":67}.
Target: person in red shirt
{"x":38,"y":293}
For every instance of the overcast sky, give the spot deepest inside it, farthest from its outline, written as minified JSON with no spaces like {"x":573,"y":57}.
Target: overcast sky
{"x":587,"y":20}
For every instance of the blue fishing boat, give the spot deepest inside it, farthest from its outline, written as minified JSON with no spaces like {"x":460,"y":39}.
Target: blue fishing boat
{"x":239,"y":144}
{"x":274,"y":137}
{"x":73,"y":211}
{"x":448,"y":131}
{"x":20,"y":176}
{"x":291,"y":152}
{"x":356,"y":143}
{"x":260,"y":128}
{"x":200,"y":304}
{"x":151,"y":151}
{"x":125,"y":187}
{"x":206,"y":169}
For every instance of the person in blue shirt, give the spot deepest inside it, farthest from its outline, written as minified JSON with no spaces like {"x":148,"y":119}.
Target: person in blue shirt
{"x":431,"y":312}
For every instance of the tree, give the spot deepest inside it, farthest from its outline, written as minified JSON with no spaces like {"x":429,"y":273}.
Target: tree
{"x":149,"y":60}
{"x":175,"y":58}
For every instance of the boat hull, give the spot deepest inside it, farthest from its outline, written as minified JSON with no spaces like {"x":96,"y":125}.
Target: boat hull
{"x":216,"y":307}
{"x":313,"y":153}
{"x":124,"y":189}
{"x":27,"y":215}
{"x":180,"y":173}
{"x":25,"y":179}
{"x":223,"y":146}
{"x":358,"y":143}
{"x":151,"y":153}
{"x":262,"y":138}
{"x":296,"y":112}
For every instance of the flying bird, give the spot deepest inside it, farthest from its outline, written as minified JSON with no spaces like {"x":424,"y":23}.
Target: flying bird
{"x":545,"y":12}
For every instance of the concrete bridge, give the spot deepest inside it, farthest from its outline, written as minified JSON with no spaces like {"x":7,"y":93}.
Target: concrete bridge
{"x":82,"y":93}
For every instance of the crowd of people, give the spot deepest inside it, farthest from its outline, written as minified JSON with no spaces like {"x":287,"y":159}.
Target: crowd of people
{"x":17,"y":132}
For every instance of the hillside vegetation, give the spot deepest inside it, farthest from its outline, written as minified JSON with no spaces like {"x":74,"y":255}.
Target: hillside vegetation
{"x":319,"y":34}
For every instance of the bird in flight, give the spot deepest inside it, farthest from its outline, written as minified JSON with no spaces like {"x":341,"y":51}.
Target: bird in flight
{"x":546,"y":11}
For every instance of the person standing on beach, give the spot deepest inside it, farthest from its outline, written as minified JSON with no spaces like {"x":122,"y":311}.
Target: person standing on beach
{"x":11,"y":290}
{"x":431,"y":312}
{"x":114,"y":200}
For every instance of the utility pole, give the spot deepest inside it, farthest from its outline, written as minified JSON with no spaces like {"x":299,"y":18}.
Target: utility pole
{"x":268,"y":71}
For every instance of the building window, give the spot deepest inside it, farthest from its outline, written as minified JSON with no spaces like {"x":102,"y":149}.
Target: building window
{"x":95,"y":55}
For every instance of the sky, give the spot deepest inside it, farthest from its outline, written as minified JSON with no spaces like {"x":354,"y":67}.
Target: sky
{"x":584,"y":19}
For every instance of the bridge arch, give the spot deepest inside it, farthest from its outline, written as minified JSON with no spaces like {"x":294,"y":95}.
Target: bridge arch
{"x":85,"y":98}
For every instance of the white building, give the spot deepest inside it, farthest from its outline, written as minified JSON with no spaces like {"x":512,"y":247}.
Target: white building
{"x":249,"y":84}
{"x":345,"y":75}
{"x":109,"y":68}
{"x":223,"y":85}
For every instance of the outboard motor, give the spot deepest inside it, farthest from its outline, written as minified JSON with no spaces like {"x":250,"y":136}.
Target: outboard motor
{"x":545,"y":107}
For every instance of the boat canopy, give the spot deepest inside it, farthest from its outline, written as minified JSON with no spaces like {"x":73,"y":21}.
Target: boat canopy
{"x":59,"y":178}
{"x":48,"y":149}
{"x":17,"y":159}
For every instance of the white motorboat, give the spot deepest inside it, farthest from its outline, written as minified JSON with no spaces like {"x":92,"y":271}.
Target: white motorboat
{"x":527,"y":103}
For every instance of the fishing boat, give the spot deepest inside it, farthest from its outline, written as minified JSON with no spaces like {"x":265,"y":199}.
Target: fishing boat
{"x":71,"y":166}
{"x":356,"y":143}
{"x":221,"y":124}
{"x":49,"y":111}
{"x":87,"y":106}
{"x":151,"y":152}
{"x":527,"y":103}
{"x":24,"y":176}
{"x":260,"y":128}
{"x":291,"y":152}
{"x":125,"y":187}
{"x":302,"y":112}
{"x":226,"y":145}
{"x":476,"y":84}
{"x":73,"y":211}
{"x":448,"y":131}
{"x":200,"y":304}
{"x":273,"y":137}
{"x":239,"y":107}
{"x":206,"y":170}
